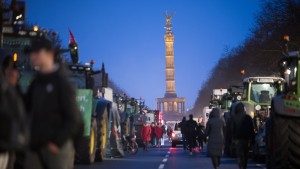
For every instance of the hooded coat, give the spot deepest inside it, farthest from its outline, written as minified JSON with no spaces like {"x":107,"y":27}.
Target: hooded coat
{"x":242,"y":126}
{"x":146,"y":133}
{"x":214,"y":130}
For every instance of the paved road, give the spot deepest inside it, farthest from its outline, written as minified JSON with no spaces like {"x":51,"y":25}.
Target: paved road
{"x":165,"y":158}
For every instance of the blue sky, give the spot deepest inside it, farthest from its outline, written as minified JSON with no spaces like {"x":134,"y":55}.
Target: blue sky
{"x":127,"y":35}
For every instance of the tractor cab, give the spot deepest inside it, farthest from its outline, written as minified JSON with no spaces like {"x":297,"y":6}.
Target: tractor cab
{"x":258,"y":93}
{"x":289,"y":68}
{"x":82,"y":75}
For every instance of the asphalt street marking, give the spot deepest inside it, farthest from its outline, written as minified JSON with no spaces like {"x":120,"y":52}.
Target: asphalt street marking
{"x":165,"y":160}
{"x":167,"y":156}
{"x":161,"y":166}
{"x":169,"y":152}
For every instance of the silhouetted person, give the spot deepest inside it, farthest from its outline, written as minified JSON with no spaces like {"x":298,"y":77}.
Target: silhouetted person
{"x":200,"y":135}
{"x":183,"y":129}
{"x":215,"y":129}
{"x":243,"y":134}
{"x":191,"y":133}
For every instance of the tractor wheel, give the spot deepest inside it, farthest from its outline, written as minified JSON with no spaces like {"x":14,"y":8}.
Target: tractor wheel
{"x":284,"y":143}
{"x":86,"y":150}
{"x":102,"y":136}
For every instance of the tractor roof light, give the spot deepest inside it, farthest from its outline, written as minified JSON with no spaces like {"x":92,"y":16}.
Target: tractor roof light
{"x":35,"y":28}
{"x":242,"y":72}
{"x":15,"y":57}
{"x":286,"y":38}
{"x":74,"y":67}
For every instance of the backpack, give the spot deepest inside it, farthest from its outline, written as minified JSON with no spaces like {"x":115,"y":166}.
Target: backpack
{"x":14,"y":133}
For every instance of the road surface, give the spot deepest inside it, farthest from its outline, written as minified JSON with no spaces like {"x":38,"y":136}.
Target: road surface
{"x":166,"y":158}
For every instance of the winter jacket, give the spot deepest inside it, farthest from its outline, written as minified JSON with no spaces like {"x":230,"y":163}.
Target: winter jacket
{"x":158,"y":132}
{"x":242,"y":125}
{"x":153,"y":133}
{"x":13,"y":127}
{"x":146,"y":133}
{"x":182,"y":126}
{"x":191,"y":127}
{"x":53,"y":111}
{"x":215,"y":132}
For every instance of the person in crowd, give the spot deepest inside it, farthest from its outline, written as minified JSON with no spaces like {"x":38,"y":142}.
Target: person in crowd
{"x":169,"y":133}
{"x":182,"y":126}
{"x":215,"y":130}
{"x":146,"y":135}
{"x":243,"y":134}
{"x":153,"y":136}
{"x":53,"y":110}
{"x":11,"y":75}
{"x":10,"y":71}
{"x":191,"y":133}
{"x":200,"y":135}
{"x":176,"y":126}
{"x":159,"y":134}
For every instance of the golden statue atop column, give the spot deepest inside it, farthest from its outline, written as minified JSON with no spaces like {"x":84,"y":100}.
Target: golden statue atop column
{"x":170,"y":105}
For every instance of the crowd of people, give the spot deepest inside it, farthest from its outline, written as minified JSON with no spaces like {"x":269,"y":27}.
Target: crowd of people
{"x":241,"y":130}
{"x":48,"y":111}
{"x":153,"y":134}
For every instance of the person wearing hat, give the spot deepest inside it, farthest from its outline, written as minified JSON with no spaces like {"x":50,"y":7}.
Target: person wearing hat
{"x":52,"y":108}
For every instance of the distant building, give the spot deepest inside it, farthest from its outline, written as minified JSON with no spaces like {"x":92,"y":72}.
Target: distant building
{"x":171,"y":106}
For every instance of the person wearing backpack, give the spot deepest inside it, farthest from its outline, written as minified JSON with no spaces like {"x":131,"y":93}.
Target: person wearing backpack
{"x":243,"y":134}
{"x":53,"y":111}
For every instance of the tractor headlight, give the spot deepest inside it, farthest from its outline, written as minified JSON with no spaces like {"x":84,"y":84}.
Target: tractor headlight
{"x":257,"y":107}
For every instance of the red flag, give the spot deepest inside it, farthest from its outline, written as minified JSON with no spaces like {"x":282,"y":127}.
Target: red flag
{"x":72,"y":39}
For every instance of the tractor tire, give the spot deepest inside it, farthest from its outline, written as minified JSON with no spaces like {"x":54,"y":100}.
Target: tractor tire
{"x":284,"y":142}
{"x":102,"y":136}
{"x":86,"y":150}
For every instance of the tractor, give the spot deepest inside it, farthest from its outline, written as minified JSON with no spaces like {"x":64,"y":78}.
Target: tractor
{"x":283,"y":126}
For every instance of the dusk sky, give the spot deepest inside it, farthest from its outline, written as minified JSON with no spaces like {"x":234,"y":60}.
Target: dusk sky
{"x":128,"y":36}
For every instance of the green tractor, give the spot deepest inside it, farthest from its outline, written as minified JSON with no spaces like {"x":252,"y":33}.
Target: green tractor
{"x":132,"y":117}
{"x":99,"y":110}
{"x":283,"y":127}
{"x":257,"y":96}
{"x":95,"y":111}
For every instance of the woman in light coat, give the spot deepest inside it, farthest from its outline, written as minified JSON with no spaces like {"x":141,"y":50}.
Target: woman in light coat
{"x":215,"y":129}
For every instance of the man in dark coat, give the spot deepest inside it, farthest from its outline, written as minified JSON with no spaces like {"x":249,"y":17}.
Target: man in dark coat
{"x":54,"y":113}
{"x":215,"y":129}
{"x":243,"y":134}
{"x":182,"y":126}
{"x":191,"y":133}
{"x":12,"y":75}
